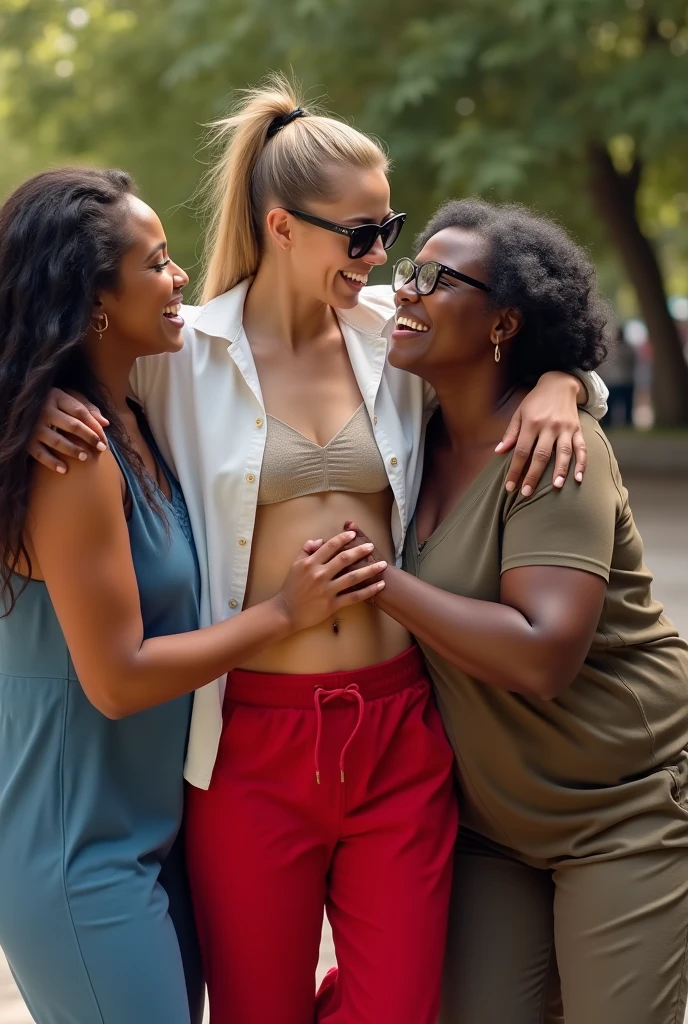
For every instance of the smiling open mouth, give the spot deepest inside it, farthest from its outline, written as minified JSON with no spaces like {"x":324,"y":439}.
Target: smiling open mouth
{"x":411,"y":325}
{"x":349,"y":275}
{"x":171,"y":312}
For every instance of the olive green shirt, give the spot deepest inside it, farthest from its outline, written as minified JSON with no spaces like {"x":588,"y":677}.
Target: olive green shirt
{"x":563,"y":777}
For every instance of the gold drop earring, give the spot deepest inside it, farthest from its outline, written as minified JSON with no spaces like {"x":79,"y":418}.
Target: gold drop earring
{"x":498,"y":354}
{"x":97,"y":326}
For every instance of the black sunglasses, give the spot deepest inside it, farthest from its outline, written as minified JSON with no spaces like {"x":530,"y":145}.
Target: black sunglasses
{"x":363,"y":237}
{"x":427,"y":276}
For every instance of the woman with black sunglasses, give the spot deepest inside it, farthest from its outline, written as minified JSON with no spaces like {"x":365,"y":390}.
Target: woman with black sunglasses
{"x":331,"y":774}
{"x":562,"y":685}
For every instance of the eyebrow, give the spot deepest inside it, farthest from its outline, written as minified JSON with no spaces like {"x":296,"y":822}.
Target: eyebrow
{"x":368,"y":220}
{"x":159,"y":248}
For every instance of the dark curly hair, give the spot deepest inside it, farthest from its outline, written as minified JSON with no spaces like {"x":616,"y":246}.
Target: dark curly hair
{"x":62,"y":239}
{"x":535,"y":267}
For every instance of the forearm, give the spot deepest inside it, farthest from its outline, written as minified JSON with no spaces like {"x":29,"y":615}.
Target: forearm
{"x":493,"y":642}
{"x":169,"y":666}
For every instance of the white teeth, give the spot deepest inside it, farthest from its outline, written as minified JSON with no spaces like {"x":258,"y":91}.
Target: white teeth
{"x":403,"y":321}
{"x":361,"y":278}
{"x":173,"y":309}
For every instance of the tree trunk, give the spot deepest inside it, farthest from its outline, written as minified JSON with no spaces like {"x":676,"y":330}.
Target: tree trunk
{"x":614,"y":195}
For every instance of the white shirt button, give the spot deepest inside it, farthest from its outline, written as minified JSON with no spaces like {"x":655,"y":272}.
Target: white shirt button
{"x":259,"y":422}
{"x":250,"y":478}
{"x":375,"y":420}
{"x":242,"y":542}
{"x":233,"y":603}
{"x":394,"y":461}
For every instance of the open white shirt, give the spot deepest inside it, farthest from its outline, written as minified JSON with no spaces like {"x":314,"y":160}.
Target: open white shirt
{"x":205,"y":407}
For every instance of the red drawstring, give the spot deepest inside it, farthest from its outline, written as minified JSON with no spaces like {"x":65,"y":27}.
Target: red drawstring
{"x":322,"y":697}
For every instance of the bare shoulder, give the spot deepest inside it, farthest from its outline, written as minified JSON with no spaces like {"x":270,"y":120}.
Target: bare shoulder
{"x":85,"y":494}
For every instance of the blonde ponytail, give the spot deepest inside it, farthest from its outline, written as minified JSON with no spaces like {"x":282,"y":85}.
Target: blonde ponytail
{"x":290,"y":168}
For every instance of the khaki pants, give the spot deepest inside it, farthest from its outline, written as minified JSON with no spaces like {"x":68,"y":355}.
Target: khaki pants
{"x":616,"y":929}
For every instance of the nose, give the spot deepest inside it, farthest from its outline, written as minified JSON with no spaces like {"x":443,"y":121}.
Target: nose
{"x":377,"y":257}
{"x":407,"y":293}
{"x":181,"y":278}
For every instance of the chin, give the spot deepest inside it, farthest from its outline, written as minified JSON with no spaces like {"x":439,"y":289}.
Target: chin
{"x":168,"y":344}
{"x":340,"y":301}
{"x":401,"y":360}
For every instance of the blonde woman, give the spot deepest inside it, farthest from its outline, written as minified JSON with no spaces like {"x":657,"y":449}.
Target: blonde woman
{"x":320,"y":774}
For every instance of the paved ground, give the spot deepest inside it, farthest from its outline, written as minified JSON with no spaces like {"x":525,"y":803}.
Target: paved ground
{"x":661,"y":511}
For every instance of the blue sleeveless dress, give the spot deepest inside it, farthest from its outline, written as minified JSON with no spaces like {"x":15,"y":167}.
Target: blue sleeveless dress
{"x":90,"y":809}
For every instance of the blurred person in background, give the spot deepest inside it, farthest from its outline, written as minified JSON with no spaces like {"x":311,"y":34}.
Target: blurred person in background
{"x":618,"y":371}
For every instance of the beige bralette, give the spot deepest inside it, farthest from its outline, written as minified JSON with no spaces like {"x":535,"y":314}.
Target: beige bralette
{"x":294,"y":466}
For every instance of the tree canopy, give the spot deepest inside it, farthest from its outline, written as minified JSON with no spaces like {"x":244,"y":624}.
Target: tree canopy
{"x":579,"y":107}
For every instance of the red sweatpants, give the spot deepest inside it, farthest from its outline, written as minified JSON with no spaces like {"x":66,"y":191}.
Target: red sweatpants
{"x":269,"y":846}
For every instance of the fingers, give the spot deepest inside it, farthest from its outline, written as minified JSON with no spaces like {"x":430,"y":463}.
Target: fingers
{"x":329,"y":549}
{"x":524,"y":446}
{"x":74,"y":403}
{"x":355,"y":529}
{"x":511,"y":433}
{"x":358,"y":596}
{"x":581,"y":453}
{"x":85,"y":426}
{"x":53,"y":439}
{"x":339,"y":562}
{"x":358,"y":576}
{"x":541,"y":456}
{"x":311,"y":546}
{"x":97,"y":415}
{"x":563,"y":460}
{"x":46,"y":458}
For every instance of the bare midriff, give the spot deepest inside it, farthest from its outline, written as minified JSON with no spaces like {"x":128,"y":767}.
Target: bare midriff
{"x":358,"y":636}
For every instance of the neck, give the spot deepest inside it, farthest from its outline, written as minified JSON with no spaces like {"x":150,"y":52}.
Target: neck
{"x":274,"y":311}
{"x":476,"y":403}
{"x":112,"y":367}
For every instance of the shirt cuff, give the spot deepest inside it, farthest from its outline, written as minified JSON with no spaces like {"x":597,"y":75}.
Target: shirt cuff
{"x":598,"y":392}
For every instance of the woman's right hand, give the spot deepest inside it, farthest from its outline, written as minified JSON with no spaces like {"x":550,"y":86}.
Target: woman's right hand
{"x":64,"y":414}
{"x":313,"y":589}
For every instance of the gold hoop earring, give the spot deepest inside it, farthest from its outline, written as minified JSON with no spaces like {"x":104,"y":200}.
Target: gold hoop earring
{"x":498,"y":354}
{"x":100,"y":331}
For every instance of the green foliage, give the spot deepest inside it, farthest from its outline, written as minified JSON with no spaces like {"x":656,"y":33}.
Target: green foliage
{"x":501,"y":97}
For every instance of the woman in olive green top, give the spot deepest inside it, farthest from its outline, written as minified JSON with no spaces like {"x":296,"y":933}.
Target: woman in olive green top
{"x":563,"y":687}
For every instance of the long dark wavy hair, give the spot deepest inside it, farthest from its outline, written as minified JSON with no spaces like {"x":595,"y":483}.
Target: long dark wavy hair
{"x":63,"y":234}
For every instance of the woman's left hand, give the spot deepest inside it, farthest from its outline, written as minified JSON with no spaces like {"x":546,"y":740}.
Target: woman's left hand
{"x":546,"y":419}
{"x":374,"y":556}
{"x":361,"y":538}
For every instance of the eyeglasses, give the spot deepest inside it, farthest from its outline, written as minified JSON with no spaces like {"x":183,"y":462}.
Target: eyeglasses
{"x":427,"y":276}
{"x":363,"y":237}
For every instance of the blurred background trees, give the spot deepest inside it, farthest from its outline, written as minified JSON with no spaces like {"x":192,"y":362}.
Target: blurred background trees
{"x":579,"y":107}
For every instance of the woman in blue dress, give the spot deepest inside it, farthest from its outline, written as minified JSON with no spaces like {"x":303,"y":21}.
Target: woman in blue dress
{"x":100,"y":649}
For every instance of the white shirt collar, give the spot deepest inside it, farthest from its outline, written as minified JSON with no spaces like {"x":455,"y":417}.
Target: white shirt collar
{"x":222,"y":317}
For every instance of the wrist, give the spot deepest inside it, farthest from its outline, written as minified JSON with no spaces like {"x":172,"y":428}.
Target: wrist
{"x":390,"y":576}
{"x":562,"y":379}
{"x":279,"y":617}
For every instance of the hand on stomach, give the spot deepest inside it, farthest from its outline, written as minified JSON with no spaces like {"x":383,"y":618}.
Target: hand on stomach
{"x":361,"y":635}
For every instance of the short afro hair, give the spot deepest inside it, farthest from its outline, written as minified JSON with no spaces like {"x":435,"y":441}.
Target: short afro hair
{"x":535,"y":267}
